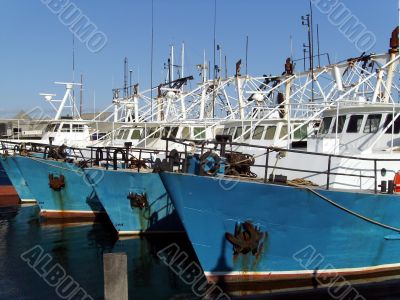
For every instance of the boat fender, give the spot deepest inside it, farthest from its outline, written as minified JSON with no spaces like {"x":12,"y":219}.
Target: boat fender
{"x":396,"y":182}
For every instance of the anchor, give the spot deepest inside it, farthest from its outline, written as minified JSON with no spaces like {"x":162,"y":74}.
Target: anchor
{"x":56,"y":183}
{"x":246,"y":239}
{"x":138,"y":200}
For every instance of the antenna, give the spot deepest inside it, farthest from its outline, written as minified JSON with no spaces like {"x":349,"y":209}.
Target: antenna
{"x":291,"y":46}
{"x":226,"y":68}
{"x":73,"y":58}
{"x":171,"y":78}
{"x":151,"y":59}
{"x":183,"y":60}
{"x":312,"y":52}
{"x":215,"y":69}
{"x":319,"y":54}
{"x":81,"y":97}
{"x":125,"y":77}
{"x":130,"y":82}
{"x":307,"y":20}
{"x":247,"y":50}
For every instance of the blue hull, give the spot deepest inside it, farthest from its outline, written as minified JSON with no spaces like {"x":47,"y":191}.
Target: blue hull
{"x":9,"y":165}
{"x":75,"y":198}
{"x":4,"y":180}
{"x":113,"y":189}
{"x":299,"y":235}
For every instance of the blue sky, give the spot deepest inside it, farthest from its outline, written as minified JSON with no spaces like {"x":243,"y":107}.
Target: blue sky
{"x":36,"y":48}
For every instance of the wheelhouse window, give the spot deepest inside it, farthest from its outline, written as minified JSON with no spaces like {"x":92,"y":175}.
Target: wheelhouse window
{"x":50,"y":127}
{"x":200,"y":133}
{"x":270,"y":133}
{"x":135,"y":134}
{"x":126,"y":134}
{"x":396,"y":128}
{"x":77,"y":128}
{"x":355,"y":123}
{"x":326,"y":123}
{"x":166,"y":131}
{"x":232,"y":131}
{"x":174,"y":132}
{"x":301,"y":133}
{"x":120,"y":134}
{"x":186,"y":133}
{"x":372,"y":123}
{"x":153,"y":132}
{"x":66,"y":128}
{"x":238,"y":132}
{"x":258,"y":133}
{"x":247,"y":132}
{"x":340,"y":124}
{"x":283,"y":132}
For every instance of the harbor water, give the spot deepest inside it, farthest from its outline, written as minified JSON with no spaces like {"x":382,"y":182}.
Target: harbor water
{"x":79,"y":247}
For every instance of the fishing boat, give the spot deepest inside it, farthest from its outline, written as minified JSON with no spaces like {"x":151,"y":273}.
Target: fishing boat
{"x":318,"y":218}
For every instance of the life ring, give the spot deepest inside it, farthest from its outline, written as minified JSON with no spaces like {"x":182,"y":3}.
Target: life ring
{"x":209,"y":163}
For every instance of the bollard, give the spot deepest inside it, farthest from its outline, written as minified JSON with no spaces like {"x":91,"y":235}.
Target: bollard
{"x":115,"y":276}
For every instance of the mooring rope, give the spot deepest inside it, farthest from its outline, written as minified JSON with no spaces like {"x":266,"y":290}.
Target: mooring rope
{"x":344,"y":208}
{"x":55,"y":166}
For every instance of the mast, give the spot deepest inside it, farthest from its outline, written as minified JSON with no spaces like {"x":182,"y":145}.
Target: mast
{"x":183,"y":60}
{"x":151,"y":60}
{"x":81,"y":98}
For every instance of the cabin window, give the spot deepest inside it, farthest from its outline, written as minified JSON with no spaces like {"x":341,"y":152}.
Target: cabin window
{"x":388,"y":120}
{"x":226,"y":130}
{"x":166,"y":131}
{"x":56,"y":127}
{"x":77,"y":128}
{"x":372,"y":124}
{"x":231,"y":131}
{"x":340,"y":124}
{"x":174,"y":132}
{"x":301,"y":133}
{"x":247,"y":132}
{"x":66,"y":128}
{"x":50,"y":128}
{"x":270,"y":134}
{"x":283,"y":132}
{"x":135,"y":134}
{"x":238,"y":132}
{"x":355,"y":123}
{"x":126,"y":134}
{"x":120,"y":134}
{"x":326,"y":123}
{"x":186,"y":133}
{"x":153,"y":132}
{"x":157,"y":132}
{"x":200,"y":132}
{"x":258,"y":133}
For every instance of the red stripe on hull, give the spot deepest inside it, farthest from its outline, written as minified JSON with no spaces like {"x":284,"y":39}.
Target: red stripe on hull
{"x":70,"y":214}
{"x":282,"y":281}
{"x":8,"y":196}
